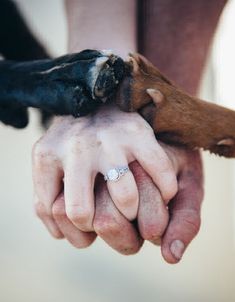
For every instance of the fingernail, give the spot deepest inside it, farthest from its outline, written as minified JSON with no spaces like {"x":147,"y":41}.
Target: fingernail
{"x":157,"y":241}
{"x":177,"y":249}
{"x":156,"y":95}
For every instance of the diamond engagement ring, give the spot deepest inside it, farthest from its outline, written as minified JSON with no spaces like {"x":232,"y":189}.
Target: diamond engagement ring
{"x":116,"y":173}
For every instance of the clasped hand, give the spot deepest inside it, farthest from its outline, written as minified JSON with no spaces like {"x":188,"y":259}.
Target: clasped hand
{"x":157,"y":200}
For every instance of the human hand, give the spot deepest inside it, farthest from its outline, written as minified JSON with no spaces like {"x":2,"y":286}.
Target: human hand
{"x":153,"y":221}
{"x":77,"y":150}
{"x":174,"y":231}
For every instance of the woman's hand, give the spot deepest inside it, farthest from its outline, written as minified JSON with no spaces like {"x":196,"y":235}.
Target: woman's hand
{"x":73,"y":151}
{"x":173,"y":229}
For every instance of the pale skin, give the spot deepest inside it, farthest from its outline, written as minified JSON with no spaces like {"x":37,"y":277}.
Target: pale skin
{"x":68,"y":157}
{"x":74,"y":153}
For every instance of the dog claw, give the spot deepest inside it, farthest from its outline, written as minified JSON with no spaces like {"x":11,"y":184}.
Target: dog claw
{"x":94,"y":73}
{"x":107,"y":52}
{"x":134,"y":64}
{"x":156,"y":95}
{"x":109,"y":77}
{"x":226,"y":142}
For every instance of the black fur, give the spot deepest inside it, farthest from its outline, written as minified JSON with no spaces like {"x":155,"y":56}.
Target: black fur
{"x":61,"y":86}
{"x":66,"y":85}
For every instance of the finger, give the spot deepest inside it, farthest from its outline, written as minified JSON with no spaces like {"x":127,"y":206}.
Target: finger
{"x":47,"y":179}
{"x":125,"y":195}
{"x":48,"y":220}
{"x":79,"y":196}
{"x":111,"y":226}
{"x":76,"y":237}
{"x":156,"y":163}
{"x":152,"y":214}
{"x":124,"y":191}
{"x":185,"y":214}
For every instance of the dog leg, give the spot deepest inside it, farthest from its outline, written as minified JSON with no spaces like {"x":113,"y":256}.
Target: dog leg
{"x":73,"y":84}
{"x":176,"y":117}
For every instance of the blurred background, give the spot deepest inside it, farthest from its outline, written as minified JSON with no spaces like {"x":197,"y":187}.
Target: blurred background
{"x":35,"y":267}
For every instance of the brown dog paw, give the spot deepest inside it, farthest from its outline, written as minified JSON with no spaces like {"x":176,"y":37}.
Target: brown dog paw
{"x":176,"y":117}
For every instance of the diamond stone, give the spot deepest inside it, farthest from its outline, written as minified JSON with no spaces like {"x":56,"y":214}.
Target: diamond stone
{"x":113,"y":174}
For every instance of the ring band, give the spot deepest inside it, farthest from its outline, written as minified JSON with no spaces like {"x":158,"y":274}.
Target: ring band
{"x":115,"y":173}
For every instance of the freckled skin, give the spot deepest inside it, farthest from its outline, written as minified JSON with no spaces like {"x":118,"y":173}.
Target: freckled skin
{"x":83,"y":149}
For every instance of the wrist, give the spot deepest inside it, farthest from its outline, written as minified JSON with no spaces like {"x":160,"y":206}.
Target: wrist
{"x":96,"y":25}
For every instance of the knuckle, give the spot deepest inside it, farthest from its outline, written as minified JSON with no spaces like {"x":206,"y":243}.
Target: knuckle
{"x":56,"y":234}
{"x":78,"y":215}
{"x":58,"y":210}
{"x":153,"y":228}
{"x":126,"y":196}
{"x":80,"y":145}
{"x":104,"y":226}
{"x":40,"y":210}
{"x":37,"y":151}
{"x":191,"y":221}
{"x":171,"y":188}
{"x":75,"y":144}
{"x":42,"y":151}
{"x":152,"y":232}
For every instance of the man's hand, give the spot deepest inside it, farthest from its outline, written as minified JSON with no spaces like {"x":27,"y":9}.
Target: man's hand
{"x":174,"y":228}
{"x":184,"y":208}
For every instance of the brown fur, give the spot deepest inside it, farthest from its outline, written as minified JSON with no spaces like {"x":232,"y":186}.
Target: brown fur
{"x":176,"y":117}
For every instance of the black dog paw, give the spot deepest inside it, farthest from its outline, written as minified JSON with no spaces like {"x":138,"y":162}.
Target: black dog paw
{"x":82,"y":103}
{"x":109,"y":78}
{"x":15,"y":117}
{"x":97,"y":74}
{"x":72,"y":84}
